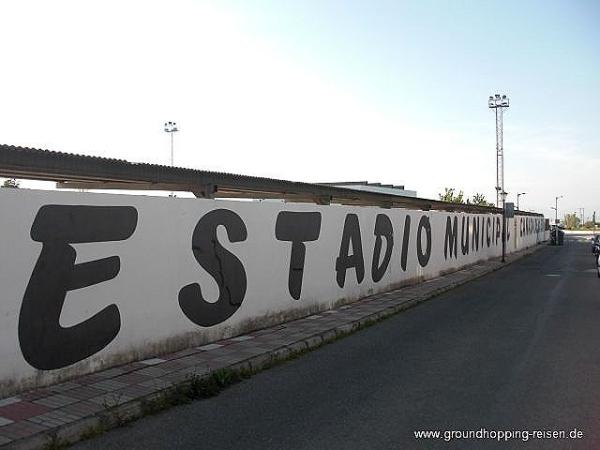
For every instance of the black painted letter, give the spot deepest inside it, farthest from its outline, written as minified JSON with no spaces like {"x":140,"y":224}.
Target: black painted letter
{"x":405,"y":243}
{"x":383,"y":227}
{"x":451,"y":239}
{"x":222,"y":265}
{"x":297,"y":228}
{"x":498,"y":229}
{"x":344,"y":261}
{"x":424,"y":257}
{"x":464,"y":241}
{"x":45,"y":344}
{"x":475,"y":240}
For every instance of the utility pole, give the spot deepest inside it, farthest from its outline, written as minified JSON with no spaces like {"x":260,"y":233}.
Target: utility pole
{"x":498,"y":102}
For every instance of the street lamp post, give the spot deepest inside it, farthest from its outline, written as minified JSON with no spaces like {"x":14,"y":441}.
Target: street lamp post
{"x":504,"y":194}
{"x":556,"y":209}
{"x":518,"y":195}
{"x":498,"y":102}
{"x":171,"y":128}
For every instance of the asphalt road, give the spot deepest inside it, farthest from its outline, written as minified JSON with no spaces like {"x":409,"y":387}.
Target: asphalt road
{"x":516,"y":350}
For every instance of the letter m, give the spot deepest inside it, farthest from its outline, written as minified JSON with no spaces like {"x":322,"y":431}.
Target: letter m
{"x":451,"y":239}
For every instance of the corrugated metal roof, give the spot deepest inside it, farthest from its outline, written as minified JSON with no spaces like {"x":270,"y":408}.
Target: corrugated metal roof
{"x":31,"y":163}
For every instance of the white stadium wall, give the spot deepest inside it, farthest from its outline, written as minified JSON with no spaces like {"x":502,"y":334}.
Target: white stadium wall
{"x":88,"y":281}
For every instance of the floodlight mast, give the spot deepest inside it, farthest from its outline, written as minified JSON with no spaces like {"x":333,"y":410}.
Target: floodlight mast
{"x":498,"y":103}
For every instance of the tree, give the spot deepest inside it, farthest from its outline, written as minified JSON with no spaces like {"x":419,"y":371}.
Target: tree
{"x":571,"y":221}
{"x":449,"y":196}
{"x":10,"y":183}
{"x":479,"y":199}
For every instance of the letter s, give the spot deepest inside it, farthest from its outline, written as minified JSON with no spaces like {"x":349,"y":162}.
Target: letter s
{"x":226,"y":269}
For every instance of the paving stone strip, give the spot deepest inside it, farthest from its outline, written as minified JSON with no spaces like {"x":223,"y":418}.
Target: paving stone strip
{"x":70,"y":410}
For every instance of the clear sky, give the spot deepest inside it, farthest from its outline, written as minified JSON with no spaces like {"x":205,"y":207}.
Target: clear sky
{"x":387,"y":91}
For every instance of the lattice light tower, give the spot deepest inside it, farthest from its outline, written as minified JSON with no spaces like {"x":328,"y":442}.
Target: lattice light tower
{"x":498,"y":103}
